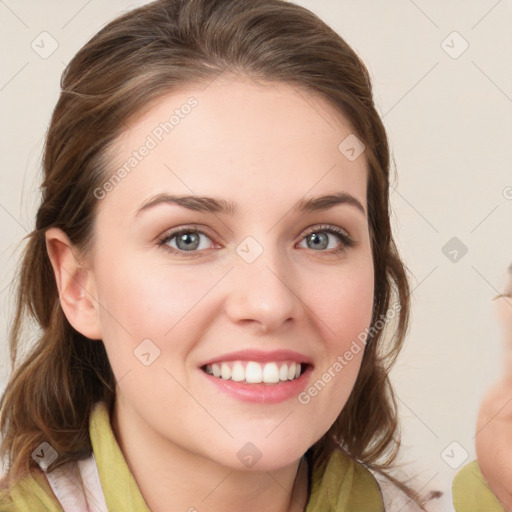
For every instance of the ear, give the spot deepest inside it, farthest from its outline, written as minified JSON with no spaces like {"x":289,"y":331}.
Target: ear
{"x":75,"y":283}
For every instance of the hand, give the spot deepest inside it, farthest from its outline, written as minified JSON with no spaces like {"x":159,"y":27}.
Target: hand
{"x":494,"y":425}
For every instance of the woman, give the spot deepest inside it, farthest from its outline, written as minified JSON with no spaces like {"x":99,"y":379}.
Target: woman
{"x":253,"y":371}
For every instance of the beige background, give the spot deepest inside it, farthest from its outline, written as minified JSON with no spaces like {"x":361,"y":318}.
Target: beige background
{"x":449,"y":119}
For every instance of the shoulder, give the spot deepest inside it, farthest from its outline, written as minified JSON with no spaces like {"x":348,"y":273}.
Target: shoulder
{"x":29,"y":494}
{"x":471,"y":492}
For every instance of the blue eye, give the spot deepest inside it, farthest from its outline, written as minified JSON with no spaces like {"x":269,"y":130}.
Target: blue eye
{"x":320,"y":240}
{"x":187,"y":240}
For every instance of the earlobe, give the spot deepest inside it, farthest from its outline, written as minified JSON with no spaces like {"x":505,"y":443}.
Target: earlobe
{"x":75,"y":284}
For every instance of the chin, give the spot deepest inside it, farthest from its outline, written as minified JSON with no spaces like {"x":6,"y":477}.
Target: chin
{"x":267,"y":454}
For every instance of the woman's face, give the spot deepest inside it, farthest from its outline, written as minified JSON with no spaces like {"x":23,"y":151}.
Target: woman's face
{"x":246,"y":290}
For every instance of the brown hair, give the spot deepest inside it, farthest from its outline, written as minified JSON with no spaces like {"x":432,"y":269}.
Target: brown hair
{"x":126,"y":66}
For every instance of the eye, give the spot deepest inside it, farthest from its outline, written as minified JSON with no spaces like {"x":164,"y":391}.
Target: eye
{"x":188,"y":240}
{"x":319,"y":237}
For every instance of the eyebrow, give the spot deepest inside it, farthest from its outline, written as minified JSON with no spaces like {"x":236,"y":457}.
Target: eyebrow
{"x":213,"y":205}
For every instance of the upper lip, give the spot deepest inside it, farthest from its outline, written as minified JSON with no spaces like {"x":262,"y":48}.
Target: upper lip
{"x":262,"y":356}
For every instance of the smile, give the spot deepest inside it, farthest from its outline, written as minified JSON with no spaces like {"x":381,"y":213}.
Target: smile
{"x":252,"y":372}
{"x":259,"y":376}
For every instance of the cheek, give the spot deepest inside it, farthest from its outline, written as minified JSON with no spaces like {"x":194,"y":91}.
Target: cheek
{"x":145,"y":309}
{"x":147,"y":301}
{"x":344,"y":304}
{"x":343,"y":312}
{"x":155,"y":302}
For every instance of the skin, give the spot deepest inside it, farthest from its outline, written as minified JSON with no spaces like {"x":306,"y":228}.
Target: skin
{"x":494,"y":424}
{"x":265,"y":147}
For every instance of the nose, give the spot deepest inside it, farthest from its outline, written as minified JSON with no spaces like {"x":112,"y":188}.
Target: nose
{"x":264,"y":293}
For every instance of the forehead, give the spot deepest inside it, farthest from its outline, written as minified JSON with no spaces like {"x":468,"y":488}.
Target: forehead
{"x":235,"y":137}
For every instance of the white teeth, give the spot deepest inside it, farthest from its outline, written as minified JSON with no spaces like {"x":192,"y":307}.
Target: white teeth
{"x":291,"y":371}
{"x":270,"y":373}
{"x":255,"y":373}
{"x":238,"y":373}
{"x":225,"y":371}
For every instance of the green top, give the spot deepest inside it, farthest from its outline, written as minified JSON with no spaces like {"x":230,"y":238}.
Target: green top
{"x":471,"y":493}
{"x":345,"y":486}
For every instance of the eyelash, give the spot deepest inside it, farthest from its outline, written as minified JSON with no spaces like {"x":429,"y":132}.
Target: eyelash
{"x":346,"y":241}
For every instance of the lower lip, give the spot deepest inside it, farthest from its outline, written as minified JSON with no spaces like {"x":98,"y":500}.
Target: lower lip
{"x":262,"y":393}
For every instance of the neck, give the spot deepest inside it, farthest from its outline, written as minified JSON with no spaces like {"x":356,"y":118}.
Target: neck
{"x":166,"y":473}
